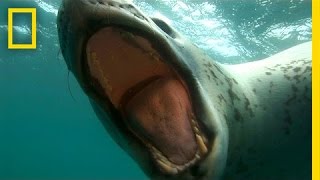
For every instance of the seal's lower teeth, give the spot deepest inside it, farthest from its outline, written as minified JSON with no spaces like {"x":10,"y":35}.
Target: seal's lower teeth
{"x":171,"y":168}
{"x":167,"y":168}
{"x":202,"y":146}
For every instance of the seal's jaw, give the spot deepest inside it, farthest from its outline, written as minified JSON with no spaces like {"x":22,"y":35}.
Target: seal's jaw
{"x":170,"y":68}
{"x":151,"y":97}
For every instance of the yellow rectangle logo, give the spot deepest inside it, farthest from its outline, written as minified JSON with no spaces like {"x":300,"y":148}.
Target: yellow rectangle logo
{"x":33,"y":44}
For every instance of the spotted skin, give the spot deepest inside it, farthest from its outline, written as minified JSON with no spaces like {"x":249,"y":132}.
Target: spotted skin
{"x":270,"y":124}
{"x":256,"y":115}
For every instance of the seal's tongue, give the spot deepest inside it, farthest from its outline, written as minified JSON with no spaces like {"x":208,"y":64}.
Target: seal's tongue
{"x":154,"y":102}
{"x":160,"y":113}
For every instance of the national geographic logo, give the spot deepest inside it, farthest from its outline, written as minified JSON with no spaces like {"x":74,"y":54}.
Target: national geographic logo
{"x":33,"y":44}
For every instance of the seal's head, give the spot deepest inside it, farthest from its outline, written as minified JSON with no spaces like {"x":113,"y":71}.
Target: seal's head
{"x":143,"y":80}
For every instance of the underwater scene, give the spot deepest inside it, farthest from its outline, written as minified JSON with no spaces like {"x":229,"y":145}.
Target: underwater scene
{"x":48,"y":128}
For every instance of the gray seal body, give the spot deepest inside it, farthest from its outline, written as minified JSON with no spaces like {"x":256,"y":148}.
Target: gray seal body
{"x":256,"y":116}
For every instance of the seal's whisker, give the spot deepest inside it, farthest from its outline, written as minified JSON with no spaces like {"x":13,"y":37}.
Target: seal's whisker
{"x":59,"y":54}
{"x":108,"y":15}
{"x":153,"y":30}
{"x":95,"y":8}
{"x":69,"y":89}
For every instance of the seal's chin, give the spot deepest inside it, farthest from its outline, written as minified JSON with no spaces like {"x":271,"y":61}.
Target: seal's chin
{"x":151,"y":97}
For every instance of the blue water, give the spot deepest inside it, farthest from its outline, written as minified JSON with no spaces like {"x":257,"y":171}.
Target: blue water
{"x":47,"y":127}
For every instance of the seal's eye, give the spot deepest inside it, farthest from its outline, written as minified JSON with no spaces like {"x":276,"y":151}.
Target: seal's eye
{"x":164,"y":27}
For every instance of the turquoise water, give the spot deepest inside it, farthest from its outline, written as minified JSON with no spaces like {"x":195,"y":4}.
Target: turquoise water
{"x":47,"y":127}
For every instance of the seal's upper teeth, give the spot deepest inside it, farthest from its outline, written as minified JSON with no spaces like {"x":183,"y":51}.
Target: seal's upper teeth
{"x":196,"y":130}
{"x":202,"y":146}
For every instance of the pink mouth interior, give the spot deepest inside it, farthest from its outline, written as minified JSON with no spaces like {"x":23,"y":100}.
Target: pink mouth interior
{"x":152,"y":98}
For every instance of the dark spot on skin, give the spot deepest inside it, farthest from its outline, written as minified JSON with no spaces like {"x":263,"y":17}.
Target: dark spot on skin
{"x":229,"y":82}
{"x":287,"y":77}
{"x":247,"y":103}
{"x":308,"y":69}
{"x":290,"y":100}
{"x":233,"y":96}
{"x":213,"y":74}
{"x":259,"y":80}
{"x":297,"y":69}
{"x":218,"y":69}
{"x":247,"y":106}
{"x":271,"y":85}
{"x":254,"y":90}
{"x":268,"y":73}
{"x":305,"y":93}
{"x":221,"y":98}
{"x":296,"y":77}
{"x":256,"y":105}
{"x":234,"y":81}
{"x":208,"y":77}
{"x":277,"y":65}
{"x":237,"y":115}
{"x":294,"y":88}
{"x":209,"y":64}
{"x":270,"y":69}
{"x":284,"y":70}
{"x":221,"y":82}
{"x":287,"y":119}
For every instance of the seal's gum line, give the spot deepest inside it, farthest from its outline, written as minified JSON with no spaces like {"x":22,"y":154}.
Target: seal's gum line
{"x":127,"y":61}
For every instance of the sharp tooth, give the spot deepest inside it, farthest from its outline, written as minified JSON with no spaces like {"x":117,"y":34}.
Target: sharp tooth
{"x":167,"y":168}
{"x":196,"y":130}
{"x":162,"y":158}
{"x":180,"y":168}
{"x":197,"y":156}
{"x":193,"y":122}
{"x":202,"y":146}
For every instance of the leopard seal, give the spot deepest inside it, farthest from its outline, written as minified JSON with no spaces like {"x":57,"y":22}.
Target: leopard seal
{"x":178,"y":113}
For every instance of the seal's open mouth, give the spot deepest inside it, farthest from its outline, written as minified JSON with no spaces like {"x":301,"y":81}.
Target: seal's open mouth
{"x":152,"y":98}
